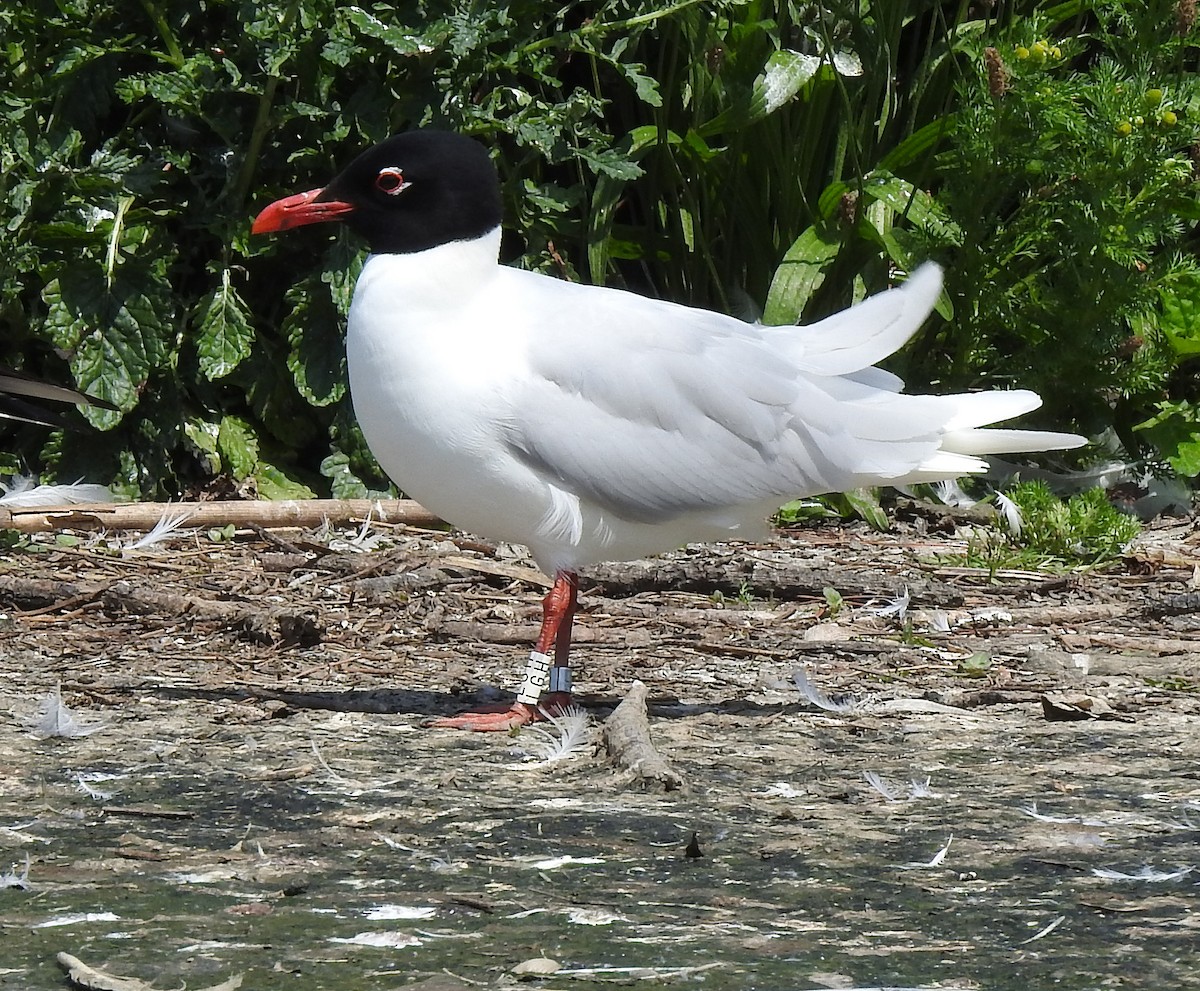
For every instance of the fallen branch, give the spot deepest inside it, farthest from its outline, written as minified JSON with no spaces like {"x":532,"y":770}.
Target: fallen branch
{"x":256,"y":622}
{"x":304,"y":513}
{"x":776,"y":577}
{"x":626,"y":737}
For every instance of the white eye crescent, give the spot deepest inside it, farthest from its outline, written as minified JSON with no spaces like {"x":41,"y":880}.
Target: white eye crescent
{"x":391,"y":181}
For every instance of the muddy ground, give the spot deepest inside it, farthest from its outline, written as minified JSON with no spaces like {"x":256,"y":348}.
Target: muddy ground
{"x":260,"y":798}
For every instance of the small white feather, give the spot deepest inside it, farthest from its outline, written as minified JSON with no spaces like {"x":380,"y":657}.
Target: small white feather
{"x":169,"y":525}
{"x":1011,"y":513}
{"x":1147,"y":873}
{"x":814,"y":696}
{"x":884,"y":787}
{"x":24,"y":492}
{"x":573,"y":729}
{"x":936,"y":861}
{"x":12,"y":879}
{"x":56,"y":719}
{"x":897,"y":607}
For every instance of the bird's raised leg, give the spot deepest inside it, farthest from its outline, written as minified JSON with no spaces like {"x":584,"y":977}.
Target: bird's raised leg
{"x":547,"y":684}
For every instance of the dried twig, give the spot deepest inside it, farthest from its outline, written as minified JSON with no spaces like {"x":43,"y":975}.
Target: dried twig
{"x":306,"y":513}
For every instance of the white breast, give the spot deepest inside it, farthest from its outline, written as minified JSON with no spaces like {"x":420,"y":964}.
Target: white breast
{"x":436,"y":350}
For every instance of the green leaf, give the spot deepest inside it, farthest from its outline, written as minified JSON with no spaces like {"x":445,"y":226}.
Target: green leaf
{"x":314,"y":328}
{"x":975,"y":666}
{"x":834,"y":601}
{"x":1175,"y":433}
{"x":238,"y":446}
{"x":865,"y":502}
{"x":343,"y":483}
{"x":916,"y":205}
{"x":921,"y":143}
{"x":800,"y":274}
{"x":316,"y":359}
{"x":783,"y":76}
{"x":1180,"y":315}
{"x":399,"y":39}
{"x":273,"y":483}
{"x":116,"y":333}
{"x":226,"y":336}
{"x":610,"y":163}
{"x":202,"y":438}
{"x":645,"y":86}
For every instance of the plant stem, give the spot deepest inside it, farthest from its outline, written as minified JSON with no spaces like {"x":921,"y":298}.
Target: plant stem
{"x":174,"y":52}
{"x":262,"y":123}
{"x":599,"y":27}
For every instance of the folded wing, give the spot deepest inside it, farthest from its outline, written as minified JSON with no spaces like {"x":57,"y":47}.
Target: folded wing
{"x":678,"y":411}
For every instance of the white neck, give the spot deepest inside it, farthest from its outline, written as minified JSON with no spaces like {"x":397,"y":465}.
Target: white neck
{"x":428,"y":278}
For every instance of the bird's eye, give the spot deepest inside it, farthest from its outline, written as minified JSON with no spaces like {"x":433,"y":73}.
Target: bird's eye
{"x":390,"y":181}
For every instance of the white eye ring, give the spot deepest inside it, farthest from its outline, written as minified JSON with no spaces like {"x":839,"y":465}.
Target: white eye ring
{"x":391,"y":181}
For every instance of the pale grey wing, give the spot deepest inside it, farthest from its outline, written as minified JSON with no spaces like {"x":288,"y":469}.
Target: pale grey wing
{"x":653,"y":411}
{"x":853,"y":340}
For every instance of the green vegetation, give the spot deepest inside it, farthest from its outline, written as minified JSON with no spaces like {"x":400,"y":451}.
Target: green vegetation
{"x":1084,"y":531}
{"x":731,"y":153}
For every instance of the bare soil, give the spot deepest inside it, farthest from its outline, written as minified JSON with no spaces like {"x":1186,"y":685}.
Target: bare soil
{"x":262,"y":799}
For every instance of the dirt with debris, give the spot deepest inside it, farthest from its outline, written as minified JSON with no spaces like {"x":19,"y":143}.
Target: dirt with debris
{"x":1002,"y":790}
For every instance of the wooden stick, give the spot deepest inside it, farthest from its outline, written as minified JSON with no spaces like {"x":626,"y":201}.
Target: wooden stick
{"x":305,"y":513}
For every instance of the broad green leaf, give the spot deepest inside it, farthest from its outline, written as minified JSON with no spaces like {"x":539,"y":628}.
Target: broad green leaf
{"x":1180,"y":315}
{"x":316,"y":356}
{"x":1186,"y":459}
{"x":315,"y":326}
{"x":238,"y":446}
{"x":865,"y":502}
{"x":273,"y":483}
{"x":116,"y":334}
{"x":784,"y":75}
{"x":800,"y":274}
{"x":918,"y":206}
{"x":226,"y":336}
{"x":343,"y":483}
{"x":202,"y":436}
{"x":830,"y":202}
{"x":399,"y":39}
{"x":1175,"y":433}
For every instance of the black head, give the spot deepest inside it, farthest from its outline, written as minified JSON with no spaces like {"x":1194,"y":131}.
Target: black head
{"x":414,"y":191}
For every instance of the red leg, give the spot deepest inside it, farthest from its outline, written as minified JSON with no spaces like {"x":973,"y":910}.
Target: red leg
{"x":546,"y":685}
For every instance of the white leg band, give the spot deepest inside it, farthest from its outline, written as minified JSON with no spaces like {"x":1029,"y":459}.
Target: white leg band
{"x":560,"y":679}
{"x":537,"y":678}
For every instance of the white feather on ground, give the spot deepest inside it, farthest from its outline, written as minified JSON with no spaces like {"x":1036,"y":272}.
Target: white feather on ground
{"x":936,"y":861}
{"x":814,"y":696}
{"x":168,"y":526}
{"x":572,"y":733}
{"x":23,"y":492}
{"x":884,"y":788}
{"x":11,"y":879}
{"x":56,"y":719}
{"x":1147,"y":873}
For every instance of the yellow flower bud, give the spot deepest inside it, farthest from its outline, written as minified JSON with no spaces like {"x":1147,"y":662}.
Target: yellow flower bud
{"x":1124,"y":129}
